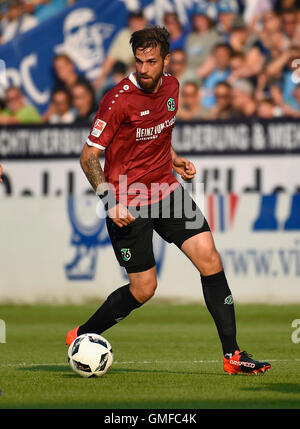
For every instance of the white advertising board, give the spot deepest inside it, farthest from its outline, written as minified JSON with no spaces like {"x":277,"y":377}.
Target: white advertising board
{"x":56,"y":249}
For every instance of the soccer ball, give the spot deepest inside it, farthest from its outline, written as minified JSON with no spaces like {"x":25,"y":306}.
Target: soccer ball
{"x":90,"y":355}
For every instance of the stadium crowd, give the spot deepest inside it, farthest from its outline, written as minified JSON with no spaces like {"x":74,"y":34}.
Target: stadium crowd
{"x":235,"y":59}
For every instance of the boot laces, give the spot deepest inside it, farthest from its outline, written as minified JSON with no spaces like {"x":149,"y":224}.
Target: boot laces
{"x":245,"y":354}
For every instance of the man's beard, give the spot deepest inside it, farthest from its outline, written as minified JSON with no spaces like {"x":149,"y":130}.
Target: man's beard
{"x":150,"y":84}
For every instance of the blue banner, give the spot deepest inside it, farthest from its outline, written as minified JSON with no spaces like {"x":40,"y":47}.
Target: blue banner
{"x":84,"y":32}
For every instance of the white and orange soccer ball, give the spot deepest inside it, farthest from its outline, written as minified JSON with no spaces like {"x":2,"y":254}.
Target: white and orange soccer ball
{"x":90,"y":355}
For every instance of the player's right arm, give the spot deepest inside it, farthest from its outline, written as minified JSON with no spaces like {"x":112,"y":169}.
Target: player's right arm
{"x":91,"y":166}
{"x":110,"y":116}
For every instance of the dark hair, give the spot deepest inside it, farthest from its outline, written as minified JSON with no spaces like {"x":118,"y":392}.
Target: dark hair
{"x":151,"y":37}
{"x":62,"y":56}
{"x":64,"y":91}
{"x":85,"y":84}
{"x":119,"y":67}
{"x":136,"y":14}
{"x":268,"y":101}
{"x":290,"y":10}
{"x":174,"y":15}
{"x":223,"y":46}
{"x":223,"y":83}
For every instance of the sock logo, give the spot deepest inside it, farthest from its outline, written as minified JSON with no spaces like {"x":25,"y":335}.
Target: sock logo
{"x":228,"y":300}
{"x":126,"y":254}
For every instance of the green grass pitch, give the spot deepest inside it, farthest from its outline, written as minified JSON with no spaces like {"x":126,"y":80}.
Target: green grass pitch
{"x":165,"y":356}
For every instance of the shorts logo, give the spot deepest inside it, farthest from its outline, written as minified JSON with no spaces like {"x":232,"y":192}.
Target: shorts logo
{"x":171,"y":104}
{"x":126,"y":254}
{"x":228,"y":300}
{"x":98,"y":128}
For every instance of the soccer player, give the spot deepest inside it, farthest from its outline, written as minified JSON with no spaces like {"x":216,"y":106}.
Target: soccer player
{"x":133,"y":126}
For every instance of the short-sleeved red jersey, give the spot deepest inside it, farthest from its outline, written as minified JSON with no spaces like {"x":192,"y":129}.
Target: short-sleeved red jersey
{"x":135,"y":128}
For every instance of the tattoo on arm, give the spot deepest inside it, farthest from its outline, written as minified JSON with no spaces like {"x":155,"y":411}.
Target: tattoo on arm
{"x":93,"y":171}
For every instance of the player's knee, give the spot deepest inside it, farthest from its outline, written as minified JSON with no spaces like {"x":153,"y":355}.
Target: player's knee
{"x":148,"y":290}
{"x":212,"y":262}
{"x":144,"y":291}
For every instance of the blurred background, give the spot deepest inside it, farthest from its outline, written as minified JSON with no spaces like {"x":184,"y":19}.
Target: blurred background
{"x":238,"y":64}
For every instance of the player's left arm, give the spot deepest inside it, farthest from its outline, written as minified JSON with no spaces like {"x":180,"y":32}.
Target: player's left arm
{"x":183,"y":166}
{"x":0,"y":173}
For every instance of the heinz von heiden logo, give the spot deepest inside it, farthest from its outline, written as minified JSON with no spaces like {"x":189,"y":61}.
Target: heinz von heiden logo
{"x":153,"y":132}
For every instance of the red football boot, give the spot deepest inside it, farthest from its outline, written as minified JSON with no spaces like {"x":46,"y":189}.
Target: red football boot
{"x":71,"y":335}
{"x":242,"y":363}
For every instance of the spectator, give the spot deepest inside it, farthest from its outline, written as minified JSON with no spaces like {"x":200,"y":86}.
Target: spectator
{"x":120,"y":49}
{"x":227,"y":14}
{"x":200,"y":41}
{"x":237,"y":62}
{"x":283,"y":69}
{"x":242,"y":98}
{"x":247,"y":60}
{"x":291,"y":26}
{"x":119,"y":72}
{"x":189,"y":108}
{"x":84,"y":103}
{"x":17,"y":111}
{"x":65,"y":78}
{"x":241,"y":39}
{"x":272,"y":41}
{"x":65,"y":73}
{"x":253,"y":11}
{"x":208,"y":8}
{"x":213,"y":8}
{"x":223,"y":108}
{"x":220,"y":71}
{"x":17,"y":21}
{"x":271,"y":25}
{"x":177,"y":33}
{"x":178,"y":66}
{"x":62,"y":108}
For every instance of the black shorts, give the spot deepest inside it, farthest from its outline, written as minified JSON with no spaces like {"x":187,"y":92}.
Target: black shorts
{"x":175,"y":218}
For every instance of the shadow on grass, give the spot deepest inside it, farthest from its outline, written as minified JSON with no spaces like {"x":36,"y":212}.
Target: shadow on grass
{"x":114,"y":371}
{"x":46,"y":368}
{"x":275,"y":387}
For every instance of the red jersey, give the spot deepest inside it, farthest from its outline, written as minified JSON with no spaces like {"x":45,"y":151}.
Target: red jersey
{"x":135,"y":128}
